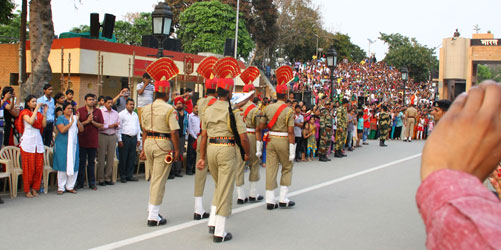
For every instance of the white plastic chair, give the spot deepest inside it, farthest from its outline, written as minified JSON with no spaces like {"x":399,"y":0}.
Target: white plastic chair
{"x":47,"y":167}
{"x":12,"y":156}
{"x":7,"y":174}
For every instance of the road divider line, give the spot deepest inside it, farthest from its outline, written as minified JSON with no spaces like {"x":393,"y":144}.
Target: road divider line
{"x":146,"y":236}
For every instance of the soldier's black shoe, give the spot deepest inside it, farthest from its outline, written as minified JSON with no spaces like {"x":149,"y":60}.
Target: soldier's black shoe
{"x":218,"y":239}
{"x":154,"y":223}
{"x":271,"y":206}
{"x":327,"y":158}
{"x":337,"y":154}
{"x":381,"y":143}
{"x":256,"y":199}
{"x":212,"y":229}
{"x":200,"y":216}
{"x":242,"y":201}
{"x":323,"y":158}
{"x":287,"y":204}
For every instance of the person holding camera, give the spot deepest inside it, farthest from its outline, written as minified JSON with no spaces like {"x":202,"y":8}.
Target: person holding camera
{"x":458,"y":211}
{"x":120,"y":101}
{"x":51,"y":105}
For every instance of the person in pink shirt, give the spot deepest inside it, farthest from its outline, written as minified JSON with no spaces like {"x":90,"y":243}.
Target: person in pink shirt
{"x":107,"y":143}
{"x":458,"y":211}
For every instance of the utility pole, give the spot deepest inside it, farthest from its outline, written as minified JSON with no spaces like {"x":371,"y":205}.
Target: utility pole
{"x":236,"y":29}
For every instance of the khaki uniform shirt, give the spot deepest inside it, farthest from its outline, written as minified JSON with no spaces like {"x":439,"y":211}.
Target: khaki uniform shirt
{"x":285,"y":119}
{"x":216,"y":121}
{"x":411,"y":112}
{"x":202,"y":106}
{"x":251,"y":118}
{"x":164,"y":119}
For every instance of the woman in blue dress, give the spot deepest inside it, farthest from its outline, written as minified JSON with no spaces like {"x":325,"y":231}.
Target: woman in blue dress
{"x":66,"y":149}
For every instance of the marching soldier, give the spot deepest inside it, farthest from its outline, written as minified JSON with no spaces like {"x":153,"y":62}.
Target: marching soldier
{"x":341,"y":131}
{"x":384,"y":125}
{"x":279,"y":118}
{"x":325,"y":131}
{"x":220,"y":132}
{"x":201,"y":174}
{"x":160,"y":148}
{"x":250,"y":113}
{"x":205,"y":69}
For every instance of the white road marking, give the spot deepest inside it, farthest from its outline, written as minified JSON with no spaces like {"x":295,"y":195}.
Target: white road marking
{"x":182,"y":226}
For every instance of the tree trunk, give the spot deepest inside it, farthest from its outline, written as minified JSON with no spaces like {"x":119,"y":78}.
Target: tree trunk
{"x":41,"y":36}
{"x":22,"y":42}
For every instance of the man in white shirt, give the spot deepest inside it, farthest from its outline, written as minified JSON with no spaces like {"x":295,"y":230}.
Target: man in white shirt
{"x":129,"y":137}
{"x":193,"y":131}
{"x":145,"y":91}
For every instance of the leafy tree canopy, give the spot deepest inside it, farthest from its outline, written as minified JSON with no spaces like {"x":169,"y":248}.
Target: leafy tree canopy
{"x":6,"y":11}
{"x":205,"y":26}
{"x":407,"y":52}
{"x":9,"y":33}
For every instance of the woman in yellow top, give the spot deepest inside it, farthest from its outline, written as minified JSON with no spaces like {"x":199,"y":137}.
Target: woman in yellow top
{"x":309,"y":135}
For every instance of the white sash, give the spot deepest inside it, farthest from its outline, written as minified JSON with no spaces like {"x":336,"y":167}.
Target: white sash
{"x":72,"y":147}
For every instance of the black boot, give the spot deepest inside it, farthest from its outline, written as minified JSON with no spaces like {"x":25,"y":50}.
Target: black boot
{"x":322,"y":158}
{"x":381,"y":143}
{"x":327,"y":157}
{"x":338,"y":154}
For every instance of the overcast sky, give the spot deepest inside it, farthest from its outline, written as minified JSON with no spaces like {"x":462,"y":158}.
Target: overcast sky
{"x":427,"y":20}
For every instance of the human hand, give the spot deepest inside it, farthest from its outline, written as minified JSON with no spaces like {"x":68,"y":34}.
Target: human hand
{"x":142,"y":156}
{"x":90,"y":117}
{"x":201,"y":164}
{"x":39,"y":104}
{"x":475,"y":116}
{"x":246,"y":157}
{"x":120,"y":144}
{"x":138,"y":144}
{"x":78,"y":116}
{"x":46,"y":108}
{"x":176,"y":156}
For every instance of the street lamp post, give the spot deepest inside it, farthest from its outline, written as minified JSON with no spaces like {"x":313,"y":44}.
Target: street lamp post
{"x":161,"y":24}
{"x":405,"y":77}
{"x":331,"y":63}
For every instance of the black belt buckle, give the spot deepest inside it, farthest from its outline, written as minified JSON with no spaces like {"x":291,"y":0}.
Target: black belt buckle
{"x":222,"y":141}
{"x":158,"y":134}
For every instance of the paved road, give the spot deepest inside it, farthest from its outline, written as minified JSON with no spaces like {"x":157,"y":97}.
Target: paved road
{"x":344,"y":204}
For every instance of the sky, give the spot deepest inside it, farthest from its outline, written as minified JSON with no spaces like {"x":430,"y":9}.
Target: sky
{"x":429,"y":21}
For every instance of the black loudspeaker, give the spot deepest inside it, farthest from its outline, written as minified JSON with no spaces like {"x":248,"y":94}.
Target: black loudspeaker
{"x":168,"y":44}
{"x":108,"y":25}
{"x":229,"y":47}
{"x":94,"y":25}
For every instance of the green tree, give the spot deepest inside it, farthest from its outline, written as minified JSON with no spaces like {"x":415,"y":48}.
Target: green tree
{"x":205,"y":26}
{"x":6,"y":11}
{"x":9,"y":33}
{"x":346,"y":49}
{"x":407,"y":52}
{"x":483,"y":73}
{"x":80,"y":29}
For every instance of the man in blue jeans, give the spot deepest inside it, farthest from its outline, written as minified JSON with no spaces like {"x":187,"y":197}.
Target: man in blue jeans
{"x":47,"y":99}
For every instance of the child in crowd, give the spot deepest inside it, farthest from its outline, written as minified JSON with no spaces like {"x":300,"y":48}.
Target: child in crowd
{"x":310,"y":132}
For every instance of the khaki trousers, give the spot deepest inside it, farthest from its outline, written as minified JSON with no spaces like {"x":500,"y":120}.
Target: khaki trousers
{"x":277,"y":151}
{"x":159,"y":170}
{"x":200,"y":175}
{"x":106,"y":157}
{"x":253,"y":163}
{"x":222,"y":166}
{"x":409,"y":131}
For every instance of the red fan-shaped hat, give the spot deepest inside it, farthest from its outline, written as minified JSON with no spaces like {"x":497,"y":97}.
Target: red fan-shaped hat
{"x":284,"y":76}
{"x":162,"y":69}
{"x":227,"y":68}
{"x":248,"y":76}
{"x":206,"y":67}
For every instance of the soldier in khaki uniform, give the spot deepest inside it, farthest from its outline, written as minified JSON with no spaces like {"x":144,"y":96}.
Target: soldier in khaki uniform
{"x":218,"y":145}
{"x":280,"y":147}
{"x":201,"y":174}
{"x":250,"y":113}
{"x":410,"y":121}
{"x":160,"y":142}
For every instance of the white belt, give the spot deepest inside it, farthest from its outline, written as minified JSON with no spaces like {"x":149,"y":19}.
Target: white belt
{"x":278,"y":133}
{"x":251,"y":130}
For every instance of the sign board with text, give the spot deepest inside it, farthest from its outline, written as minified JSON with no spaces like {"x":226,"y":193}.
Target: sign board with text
{"x":485,"y":42}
